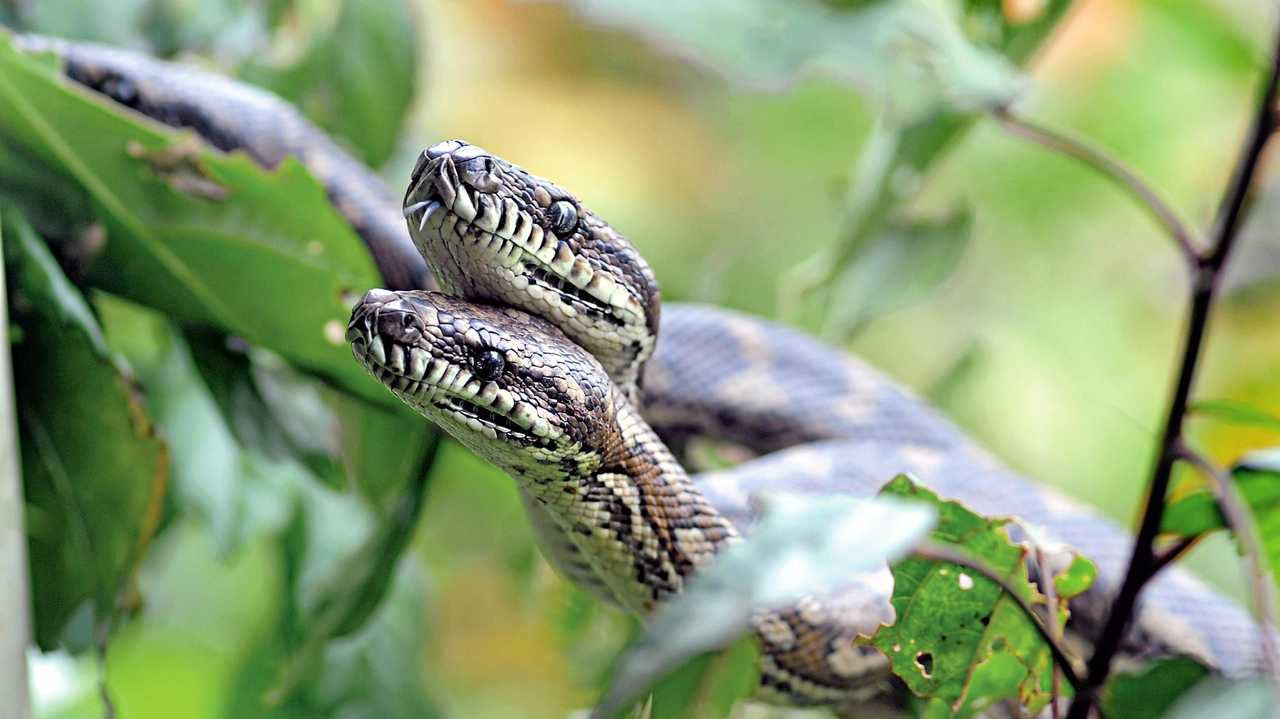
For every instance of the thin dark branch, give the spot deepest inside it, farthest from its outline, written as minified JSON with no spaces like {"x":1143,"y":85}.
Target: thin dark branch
{"x":1112,"y":169}
{"x":1240,"y":522}
{"x":1142,"y":563}
{"x":942,"y":553}
{"x":1173,"y":553}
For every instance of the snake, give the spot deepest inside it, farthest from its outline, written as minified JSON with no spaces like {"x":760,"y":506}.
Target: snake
{"x":536,"y":336}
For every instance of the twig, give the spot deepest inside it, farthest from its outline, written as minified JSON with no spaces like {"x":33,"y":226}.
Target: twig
{"x":1240,"y":522}
{"x":1142,"y":563}
{"x":1112,"y":169}
{"x":942,"y":553}
{"x":1051,"y":595}
{"x":1173,"y":553}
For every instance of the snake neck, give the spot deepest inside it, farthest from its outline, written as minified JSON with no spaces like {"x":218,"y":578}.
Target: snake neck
{"x":636,"y":526}
{"x":635,"y":529}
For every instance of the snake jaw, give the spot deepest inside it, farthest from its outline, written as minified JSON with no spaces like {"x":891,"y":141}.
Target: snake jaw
{"x":495,"y":233}
{"x":425,"y":348}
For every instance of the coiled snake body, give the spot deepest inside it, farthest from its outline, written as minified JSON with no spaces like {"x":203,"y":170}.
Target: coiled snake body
{"x":554,"y":403}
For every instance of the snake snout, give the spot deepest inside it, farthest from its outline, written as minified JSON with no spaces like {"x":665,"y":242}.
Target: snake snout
{"x":382,"y":314}
{"x":443,"y":167}
{"x":399,"y":325}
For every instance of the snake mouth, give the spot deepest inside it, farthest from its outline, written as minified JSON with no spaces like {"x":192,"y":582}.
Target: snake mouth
{"x":393,"y":344}
{"x":422,"y":383}
{"x":457,"y":198}
{"x":486,"y":421}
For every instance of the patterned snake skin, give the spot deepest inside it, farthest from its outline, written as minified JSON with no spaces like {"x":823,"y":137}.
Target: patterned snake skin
{"x":827,"y":422}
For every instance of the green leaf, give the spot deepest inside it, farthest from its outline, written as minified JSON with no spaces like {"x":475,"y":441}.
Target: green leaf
{"x":240,"y":493}
{"x":94,"y":471}
{"x":948,"y":389}
{"x":201,"y":235}
{"x":1236,"y":412}
{"x":54,"y":205}
{"x":1217,"y":697}
{"x":1015,"y":34}
{"x":958,"y":636}
{"x":707,"y":686}
{"x":801,"y":546}
{"x":221,"y":29}
{"x":342,"y":440}
{"x":1193,"y":514}
{"x":113,"y":23}
{"x":268,"y":407}
{"x":1257,"y":479}
{"x":380,"y":671}
{"x":901,"y":265}
{"x":354,"y":587}
{"x":382,"y":450}
{"x":1149,"y":693}
{"x":1076,"y":578}
{"x":910,"y":53}
{"x":898,"y":154}
{"x":356,"y":79}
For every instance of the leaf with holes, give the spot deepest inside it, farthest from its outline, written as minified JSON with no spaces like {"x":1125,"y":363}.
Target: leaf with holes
{"x":958,"y":636}
{"x":202,"y":235}
{"x":94,"y":471}
{"x":801,"y":546}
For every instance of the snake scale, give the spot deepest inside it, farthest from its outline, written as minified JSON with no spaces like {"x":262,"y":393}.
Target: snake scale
{"x":550,"y":394}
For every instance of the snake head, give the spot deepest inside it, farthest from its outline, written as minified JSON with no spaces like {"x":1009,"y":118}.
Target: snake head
{"x":507,"y":385}
{"x":496,"y":233}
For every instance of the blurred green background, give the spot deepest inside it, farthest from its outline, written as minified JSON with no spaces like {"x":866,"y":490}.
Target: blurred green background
{"x":1051,"y":342}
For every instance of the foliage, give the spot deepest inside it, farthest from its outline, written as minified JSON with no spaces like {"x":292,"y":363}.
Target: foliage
{"x":1149,"y":693}
{"x":901,"y":265}
{"x":1257,"y":478}
{"x":1225,"y":410}
{"x":910,"y":54}
{"x":94,"y":471}
{"x":799,"y":547}
{"x":200,"y":248}
{"x":203,"y":236}
{"x":355,"y":78}
{"x":709,"y":685}
{"x":1255,"y":699}
{"x":212,"y":391}
{"x":961,"y":638}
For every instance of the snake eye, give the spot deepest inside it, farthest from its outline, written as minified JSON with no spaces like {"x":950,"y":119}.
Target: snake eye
{"x":563,"y":217}
{"x":489,"y":365}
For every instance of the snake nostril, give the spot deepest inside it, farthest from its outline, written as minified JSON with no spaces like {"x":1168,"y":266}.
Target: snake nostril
{"x":399,"y":325}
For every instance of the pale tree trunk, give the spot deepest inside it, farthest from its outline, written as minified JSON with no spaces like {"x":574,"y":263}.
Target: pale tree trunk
{"x":15,"y":615}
